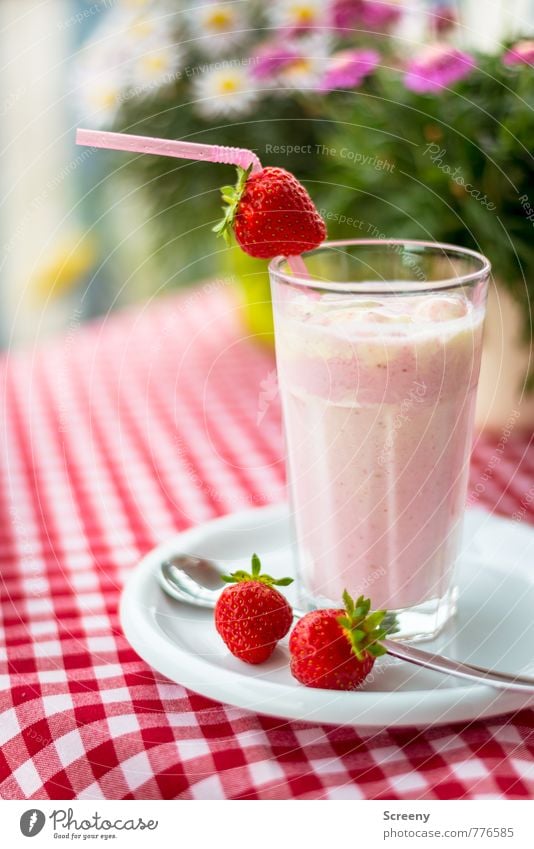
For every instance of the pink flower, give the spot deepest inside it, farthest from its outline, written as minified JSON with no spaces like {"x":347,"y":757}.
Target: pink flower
{"x":271,"y":58}
{"x":522,"y":53}
{"x":347,"y":69}
{"x":437,"y":67}
{"x":373,"y":13}
{"x":443,"y":18}
{"x":380,"y":14}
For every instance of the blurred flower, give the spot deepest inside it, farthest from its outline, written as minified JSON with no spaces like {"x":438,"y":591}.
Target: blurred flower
{"x":298,"y":15}
{"x":307,"y":67}
{"x":99,"y":89}
{"x":224,"y":91}
{"x":380,"y":14}
{"x":348,"y":68}
{"x":522,"y":53}
{"x":437,"y":67}
{"x":158,"y":65}
{"x":219,"y":26}
{"x":142,"y":28}
{"x":271,"y":57}
{"x":292,"y":62}
{"x":443,"y":18}
{"x":65,"y":267}
{"x":347,"y":14}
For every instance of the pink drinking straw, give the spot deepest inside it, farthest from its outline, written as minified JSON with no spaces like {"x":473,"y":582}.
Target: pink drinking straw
{"x":222,"y":154}
{"x":168,"y":147}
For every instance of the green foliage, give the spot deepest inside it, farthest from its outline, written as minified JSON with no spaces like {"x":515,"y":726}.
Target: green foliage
{"x":450,"y":167}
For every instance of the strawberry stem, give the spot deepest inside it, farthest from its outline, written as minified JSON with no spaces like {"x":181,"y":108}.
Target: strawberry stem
{"x":255,"y":575}
{"x":365,"y":630}
{"x":231,"y":196}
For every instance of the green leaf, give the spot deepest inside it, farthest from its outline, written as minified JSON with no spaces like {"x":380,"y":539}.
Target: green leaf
{"x":283,"y":582}
{"x":376,"y":650}
{"x":374,"y":620}
{"x":231,"y":196}
{"x":390,"y":624}
{"x":348,"y":601}
{"x":256,"y":565}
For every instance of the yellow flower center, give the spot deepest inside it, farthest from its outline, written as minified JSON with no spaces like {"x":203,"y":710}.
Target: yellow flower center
{"x":302,"y":13}
{"x":220,"y":20}
{"x":154,"y":63}
{"x":141,"y":28}
{"x":228,"y":86}
{"x":105,"y":99}
{"x":299,"y":66}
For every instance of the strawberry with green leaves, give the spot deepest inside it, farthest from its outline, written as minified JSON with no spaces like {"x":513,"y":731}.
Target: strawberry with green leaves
{"x":271,"y":214}
{"x":336,"y":649}
{"x":251,"y":615}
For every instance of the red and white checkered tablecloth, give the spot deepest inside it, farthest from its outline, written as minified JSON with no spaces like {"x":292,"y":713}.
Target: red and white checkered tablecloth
{"x":112,"y":438}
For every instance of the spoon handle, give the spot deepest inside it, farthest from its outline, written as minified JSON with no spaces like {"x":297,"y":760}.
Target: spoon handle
{"x":405,"y":651}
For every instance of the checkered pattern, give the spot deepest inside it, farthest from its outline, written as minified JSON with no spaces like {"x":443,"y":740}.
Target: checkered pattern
{"x":112,"y":439}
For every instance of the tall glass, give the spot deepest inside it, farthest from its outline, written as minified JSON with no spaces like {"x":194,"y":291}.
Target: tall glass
{"x":378,"y":352}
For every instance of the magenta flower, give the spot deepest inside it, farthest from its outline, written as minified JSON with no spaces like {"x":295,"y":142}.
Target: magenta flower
{"x":345,"y":13}
{"x":348,"y":68}
{"x":443,"y":18}
{"x":521,"y":53}
{"x":437,"y":67}
{"x":373,"y":13}
{"x":380,"y":14}
{"x":271,"y":58}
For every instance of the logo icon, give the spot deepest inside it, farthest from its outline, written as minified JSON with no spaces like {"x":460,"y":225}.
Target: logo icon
{"x":32,"y":822}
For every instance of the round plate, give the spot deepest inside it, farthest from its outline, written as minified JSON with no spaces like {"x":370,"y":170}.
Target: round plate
{"x":494,"y":627}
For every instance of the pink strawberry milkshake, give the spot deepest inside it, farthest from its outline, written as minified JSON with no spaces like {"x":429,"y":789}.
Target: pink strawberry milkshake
{"x":378,"y":397}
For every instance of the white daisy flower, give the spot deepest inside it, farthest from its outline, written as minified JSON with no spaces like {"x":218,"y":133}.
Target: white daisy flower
{"x":158,"y":65}
{"x":299,"y":14}
{"x":218,"y":26}
{"x":130,"y":29}
{"x":99,"y":94}
{"x":224,"y":90}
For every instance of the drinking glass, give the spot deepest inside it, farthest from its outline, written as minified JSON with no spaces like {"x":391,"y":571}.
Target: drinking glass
{"x":378,"y":347}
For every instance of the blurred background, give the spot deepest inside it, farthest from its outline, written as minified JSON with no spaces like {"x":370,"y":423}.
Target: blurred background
{"x":404,"y":119}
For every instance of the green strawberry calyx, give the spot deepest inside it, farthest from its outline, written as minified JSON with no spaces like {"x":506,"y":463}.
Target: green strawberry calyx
{"x":364,"y":629}
{"x":231,"y":196}
{"x":255,"y":575}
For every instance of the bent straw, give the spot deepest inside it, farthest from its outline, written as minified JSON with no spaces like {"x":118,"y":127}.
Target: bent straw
{"x":218,"y":153}
{"x":169,"y":147}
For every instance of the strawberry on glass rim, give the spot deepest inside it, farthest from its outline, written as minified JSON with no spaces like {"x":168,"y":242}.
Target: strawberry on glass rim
{"x":271,"y":214}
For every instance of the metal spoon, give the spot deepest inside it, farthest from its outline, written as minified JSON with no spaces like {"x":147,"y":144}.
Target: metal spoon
{"x":197,"y":581}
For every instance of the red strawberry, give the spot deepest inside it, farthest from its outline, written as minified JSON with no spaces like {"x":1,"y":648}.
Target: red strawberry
{"x":271,"y":214}
{"x":336,"y":649}
{"x":251,"y":616}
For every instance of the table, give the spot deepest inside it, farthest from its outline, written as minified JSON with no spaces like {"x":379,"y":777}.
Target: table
{"x":113,"y":437}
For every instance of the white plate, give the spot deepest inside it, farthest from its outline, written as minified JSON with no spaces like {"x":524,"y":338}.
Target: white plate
{"x":494,"y":626}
